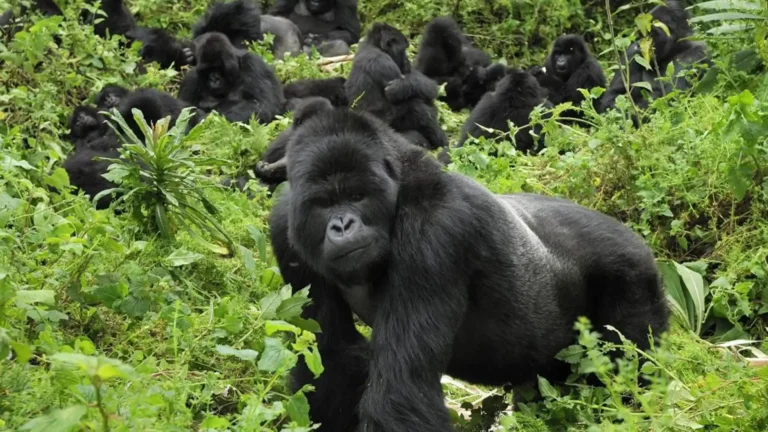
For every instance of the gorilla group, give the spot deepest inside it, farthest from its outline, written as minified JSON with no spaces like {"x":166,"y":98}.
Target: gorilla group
{"x":451,"y":278}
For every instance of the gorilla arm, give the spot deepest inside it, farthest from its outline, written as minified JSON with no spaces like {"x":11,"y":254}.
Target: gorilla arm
{"x":414,"y":85}
{"x":418,"y":313}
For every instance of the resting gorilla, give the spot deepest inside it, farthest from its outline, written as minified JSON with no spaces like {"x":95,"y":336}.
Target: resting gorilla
{"x":570,"y":67}
{"x":234,"y":82}
{"x":329,"y":25}
{"x":516,"y":95}
{"x":381,"y":82}
{"x":239,"y":21}
{"x":447,"y":56}
{"x":673,"y":49}
{"x":451,"y":278}
{"x":154,"y":106}
{"x":329,"y":88}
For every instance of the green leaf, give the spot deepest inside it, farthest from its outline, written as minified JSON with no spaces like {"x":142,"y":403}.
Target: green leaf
{"x":547,"y":390}
{"x":726,"y":16}
{"x":272,"y":327}
{"x":675,"y":293}
{"x":729,"y":5}
{"x":297,"y":408}
{"x":697,"y":291}
{"x":313,"y":361}
{"x":291,"y":307}
{"x":58,"y":179}
{"x":269,"y":304}
{"x":63,"y":420}
{"x":739,"y":179}
{"x":214,"y":422}
{"x":181,"y":257}
{"x":242,"y":354}
{"x":309,"y":325}
{"x":23,"y":351}
{"x":37,"y":296}
{"x":135,"y":307}
{"x":276,"y":356}
{"x":572,"y":354}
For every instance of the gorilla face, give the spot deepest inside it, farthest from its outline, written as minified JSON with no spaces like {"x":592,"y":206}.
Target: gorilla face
{"x":393,"y":43}
{"x":319,"y":7}
{"x":568,"y":53}
{"x":662,"y":43}
{"x":218,"y":67}
{"x":343,"y":200}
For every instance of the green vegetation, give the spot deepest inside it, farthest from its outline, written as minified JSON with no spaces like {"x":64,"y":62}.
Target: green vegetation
{"x":171,"y":314}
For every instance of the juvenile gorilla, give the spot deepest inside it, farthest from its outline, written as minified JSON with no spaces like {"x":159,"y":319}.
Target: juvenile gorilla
{"x":382,"y":83}
{"x":673,"y":49}
{"x":515,"y":97}
{"x":154,"y":106}
{"x":570,"y":67}
{"x":447,"y":56}
{"x":329,"y":25}
{"x":451,"y":278}
{"x":234,"y":82}
{"x":329,"y":88}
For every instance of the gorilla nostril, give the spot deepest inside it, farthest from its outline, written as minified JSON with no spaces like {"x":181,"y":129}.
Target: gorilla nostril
{"x":349,"y":223}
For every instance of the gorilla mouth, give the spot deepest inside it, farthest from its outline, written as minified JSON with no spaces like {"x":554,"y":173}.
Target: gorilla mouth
{"x":353,"y":250}
{"x":561,"y":68}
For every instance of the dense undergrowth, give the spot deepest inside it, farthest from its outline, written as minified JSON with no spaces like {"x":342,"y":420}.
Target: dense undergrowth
{"x":108,"y":322}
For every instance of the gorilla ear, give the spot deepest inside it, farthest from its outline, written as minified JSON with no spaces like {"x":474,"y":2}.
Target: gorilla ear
{"x":309,"y":108}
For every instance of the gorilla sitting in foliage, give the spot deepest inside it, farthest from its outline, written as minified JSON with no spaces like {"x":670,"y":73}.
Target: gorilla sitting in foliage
{"x":331,"y":26}
{"x":570,"y":67}
{"x":382,"y":83}
{"x":515,"y":97}
{"x":232,"y":81}
{"x":447,"y":56}
{"x":671,"y":50}
{"x":451,"y":278}
{"x":239,"y":21}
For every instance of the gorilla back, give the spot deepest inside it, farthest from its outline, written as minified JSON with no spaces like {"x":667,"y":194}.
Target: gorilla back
{"x":451,"y":278}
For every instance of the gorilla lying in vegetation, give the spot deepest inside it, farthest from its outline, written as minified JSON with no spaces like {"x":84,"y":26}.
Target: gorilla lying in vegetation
{"x":331,"y":26}
{"x":447,"y":56}
{"x":234,"y":82}
{"x":570,"y":67}
{"x":382,"y":83}
{"x":668,"y":49}
{"x":451,"y":278}
{"x":515,"y":97}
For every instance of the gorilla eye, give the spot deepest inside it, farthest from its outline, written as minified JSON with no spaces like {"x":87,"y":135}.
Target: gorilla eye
{"x":357,"y":197}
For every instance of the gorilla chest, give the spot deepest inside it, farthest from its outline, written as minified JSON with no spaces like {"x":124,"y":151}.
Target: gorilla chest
{"x":359,"y":297}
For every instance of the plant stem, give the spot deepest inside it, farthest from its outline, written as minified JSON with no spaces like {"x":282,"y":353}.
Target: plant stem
{"x":100,"y":403}
{"x":622,"y":69}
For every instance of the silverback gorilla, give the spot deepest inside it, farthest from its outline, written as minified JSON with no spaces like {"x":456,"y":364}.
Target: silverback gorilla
{"x":331,"y":26}
{"x":451,"y":278}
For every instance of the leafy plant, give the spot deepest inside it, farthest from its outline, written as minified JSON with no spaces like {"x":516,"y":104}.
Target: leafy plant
{"x":159,"y":177}
{"x":686,"y":292}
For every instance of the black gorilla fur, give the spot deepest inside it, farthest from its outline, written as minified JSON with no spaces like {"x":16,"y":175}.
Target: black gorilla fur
{"x":86,"y":174}
{"x":118,"y":19}
{"x":673,"y":49}
{"x":329,"y":25}
{"x":451,"y":278}
{"x":271,"y":170}
{"x":329,"y":88}
{"x":516,"y":95}
{"x":235,"y":82}
{"x":447,"y":56}
{"x":570,"y":67}
{"x":110,"y":97}
{"x":162,"y":47}
{"x":154,"y":106}
{"x":239,"y":21}
{"x":382,"y":83}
